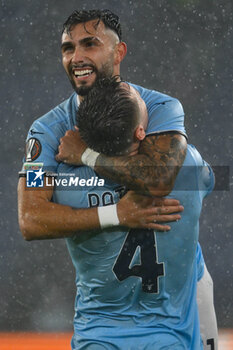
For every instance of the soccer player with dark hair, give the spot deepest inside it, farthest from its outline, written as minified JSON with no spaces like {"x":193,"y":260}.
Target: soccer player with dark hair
{"x":112,"y":120}
{"x":110,"y":45}
{"x":110,"y":116}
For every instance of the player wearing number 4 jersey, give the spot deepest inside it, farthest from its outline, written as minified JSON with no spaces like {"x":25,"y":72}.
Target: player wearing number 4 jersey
{"x":136,"y":289}
{"x":109,"y":310}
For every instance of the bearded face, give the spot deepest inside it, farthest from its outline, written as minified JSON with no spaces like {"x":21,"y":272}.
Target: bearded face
{"x":88,"y":53}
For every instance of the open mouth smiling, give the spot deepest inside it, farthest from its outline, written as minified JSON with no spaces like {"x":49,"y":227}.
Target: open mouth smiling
{"x":82,"y":73}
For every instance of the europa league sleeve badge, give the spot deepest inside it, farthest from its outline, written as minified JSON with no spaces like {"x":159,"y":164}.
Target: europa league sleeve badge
{"x":33,"y":149}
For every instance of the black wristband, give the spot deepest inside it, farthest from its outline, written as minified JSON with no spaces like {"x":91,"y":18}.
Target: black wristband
{"x":22,"y":174}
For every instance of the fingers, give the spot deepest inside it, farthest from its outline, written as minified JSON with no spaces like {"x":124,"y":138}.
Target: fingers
{"x":163,"y":210}
{"x":145,"y":201}
{"x":170,"y":201}
{"x":155,"y":222}
{"x":154,"y":226}
{"x":59,"y":156}
{"x":162,"y":218}
{"x":169,"y":210}
{"x":68,"y":133}
{"x":68,"y":136}
{"x":158,"y":227}
{"x":165,"y":202}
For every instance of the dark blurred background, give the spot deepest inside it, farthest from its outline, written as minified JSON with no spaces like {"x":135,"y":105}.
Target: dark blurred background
{"x":183,"y":48}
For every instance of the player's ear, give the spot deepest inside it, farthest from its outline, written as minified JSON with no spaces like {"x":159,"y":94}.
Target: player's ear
{"x":120,"y":52}
{"x":139,"y":133}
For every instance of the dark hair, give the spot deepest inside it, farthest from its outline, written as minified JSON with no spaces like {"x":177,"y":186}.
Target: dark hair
{"x":107,"y":117}
{"x":110,"y":20}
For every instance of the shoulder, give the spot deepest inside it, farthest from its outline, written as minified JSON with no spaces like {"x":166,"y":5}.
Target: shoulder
{"x":44,"y":134}
{"x":155,"y":98}
{"x":64,"y":113}
{"x":165,"y":113}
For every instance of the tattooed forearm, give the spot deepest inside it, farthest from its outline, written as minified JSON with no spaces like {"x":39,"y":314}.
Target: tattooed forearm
{"x":153,"y":170}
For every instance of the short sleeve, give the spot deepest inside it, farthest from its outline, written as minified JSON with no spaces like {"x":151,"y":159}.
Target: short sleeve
{"x":206,"y":179}
{"x":166,"y":116}
{"x":44,"y":135}
{"x":165,"y":113}
{"x":204,"y":174}
{"x":42,"y":143}
{"x":41,"y":146}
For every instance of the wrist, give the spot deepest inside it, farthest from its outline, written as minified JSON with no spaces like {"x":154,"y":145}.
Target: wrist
{"x":121,"y":213}
{"x":89,"y":157}
{"x":108,"y":216}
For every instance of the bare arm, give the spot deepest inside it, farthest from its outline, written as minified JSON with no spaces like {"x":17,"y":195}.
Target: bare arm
{"x":153,"y":171}
{"x":39,"y":218}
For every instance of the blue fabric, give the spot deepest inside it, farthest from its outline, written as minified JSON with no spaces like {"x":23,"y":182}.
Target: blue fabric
{"x":114,"y":314}
{"x":106,"y":306}
{"x":50,"y":128}
{"x":165,"y":112}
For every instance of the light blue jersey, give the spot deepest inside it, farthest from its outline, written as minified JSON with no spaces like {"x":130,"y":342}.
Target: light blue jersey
{"x":138,"y":285}
{"x":165,"y":114}
{"x":136,"y":289}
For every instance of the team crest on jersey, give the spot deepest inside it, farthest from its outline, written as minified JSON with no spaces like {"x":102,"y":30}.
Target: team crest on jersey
{"x":33,"y":149}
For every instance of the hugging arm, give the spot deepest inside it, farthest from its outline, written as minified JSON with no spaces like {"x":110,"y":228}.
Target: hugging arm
{"x":152,"y":171}
{"x":40,"y":218}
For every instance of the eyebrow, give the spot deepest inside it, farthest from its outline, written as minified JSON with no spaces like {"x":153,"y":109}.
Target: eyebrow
{"x":82,"y":41}
{"x":89,"y":38}
{"x":65,"y":43}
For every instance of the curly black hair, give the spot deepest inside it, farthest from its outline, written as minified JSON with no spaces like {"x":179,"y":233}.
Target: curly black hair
{"x":107,"y":117}
{"x":110,"y":20}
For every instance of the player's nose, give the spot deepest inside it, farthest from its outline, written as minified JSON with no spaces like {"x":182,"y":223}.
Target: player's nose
{"x":78,"y":55}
